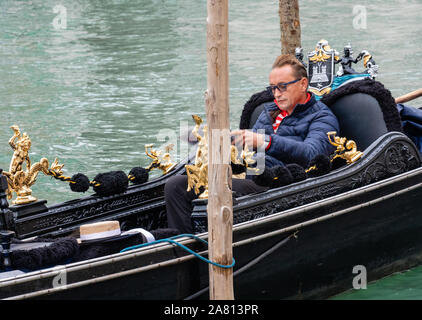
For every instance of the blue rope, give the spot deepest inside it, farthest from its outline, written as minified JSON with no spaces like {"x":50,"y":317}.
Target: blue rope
{"x":171,"y":240}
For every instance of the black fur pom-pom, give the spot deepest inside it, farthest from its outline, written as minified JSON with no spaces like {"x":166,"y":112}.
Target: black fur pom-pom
{"x":274,"y":177}
{"x":265,"y":178}
{"x":337,"y":163}
{"x":112,"y":182}
{"x":323,"y":166}
{"x":297,"y":172}
{"x":237,"y":168}
{"x":138,"y":175}
{"x":81,"y":183}
{"x":122,"y":181}
{"x":282,"y":177}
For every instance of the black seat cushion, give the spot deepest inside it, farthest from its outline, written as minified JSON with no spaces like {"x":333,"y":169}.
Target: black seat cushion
{"x":360,"y":118}
{"x":365,"y":109}
{"x":253,"y":108}
{"x":42,"y":253}
{"x":255,"y":114}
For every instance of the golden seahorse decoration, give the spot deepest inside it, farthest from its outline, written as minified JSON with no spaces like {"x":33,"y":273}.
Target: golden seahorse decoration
{"x":162,"y":162}
{"x":345,"y":149}
{"x":198,"y":172}
{"x":20,"y":180}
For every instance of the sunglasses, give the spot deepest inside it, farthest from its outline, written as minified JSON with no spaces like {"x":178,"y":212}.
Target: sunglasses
{"x":281,"y":86}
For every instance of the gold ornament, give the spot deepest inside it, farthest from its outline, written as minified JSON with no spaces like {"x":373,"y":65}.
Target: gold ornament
{"x":345,"y":149}
{"x":162,"y":162}
{"x":19,"y":180}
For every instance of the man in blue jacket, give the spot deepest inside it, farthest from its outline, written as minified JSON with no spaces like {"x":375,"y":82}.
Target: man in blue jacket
{"x":295,"y":124}
{"x":295,"y":130}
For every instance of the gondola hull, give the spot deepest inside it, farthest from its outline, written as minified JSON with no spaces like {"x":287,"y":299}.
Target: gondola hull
{"x":308,"y":250}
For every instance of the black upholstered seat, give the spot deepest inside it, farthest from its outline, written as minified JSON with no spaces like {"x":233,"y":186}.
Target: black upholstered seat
{"x":359,"y":114}
{"x":360,"y":118}
{"x":255,"y":114}
{"x":365,"y":110}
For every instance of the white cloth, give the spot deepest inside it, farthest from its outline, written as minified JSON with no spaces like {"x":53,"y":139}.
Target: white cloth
{"x":147,"y":234}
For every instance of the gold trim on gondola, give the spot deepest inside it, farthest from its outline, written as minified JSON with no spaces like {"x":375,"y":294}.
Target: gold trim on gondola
{"x":320,"y":93}
{"x":20,"y":180}
{"x":345,"y":149}
{"x":162,"y":162}
{"x":198,"y":171}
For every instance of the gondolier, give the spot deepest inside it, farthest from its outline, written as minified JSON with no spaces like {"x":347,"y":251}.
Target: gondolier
{"x":295,"y":127}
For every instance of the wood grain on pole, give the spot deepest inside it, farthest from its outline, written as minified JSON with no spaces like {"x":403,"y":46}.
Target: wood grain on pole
{"x":409,"y":96}
{"x":220,"y":209}
{"x":289,"y":26}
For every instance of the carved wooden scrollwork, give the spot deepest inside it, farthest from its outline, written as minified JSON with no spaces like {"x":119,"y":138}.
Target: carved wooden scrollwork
{"x":390,"y":157}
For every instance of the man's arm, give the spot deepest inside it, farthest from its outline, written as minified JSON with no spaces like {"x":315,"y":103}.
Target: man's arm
{"x":316,"y":141}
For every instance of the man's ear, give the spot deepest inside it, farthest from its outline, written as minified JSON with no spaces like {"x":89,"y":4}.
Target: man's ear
{"x":305,"y":84}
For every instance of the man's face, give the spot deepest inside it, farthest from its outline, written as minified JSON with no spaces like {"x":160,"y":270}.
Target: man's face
{"x":295,"y":93}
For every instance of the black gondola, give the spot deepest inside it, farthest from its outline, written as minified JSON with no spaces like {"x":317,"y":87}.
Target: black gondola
{"x":298,"y":241}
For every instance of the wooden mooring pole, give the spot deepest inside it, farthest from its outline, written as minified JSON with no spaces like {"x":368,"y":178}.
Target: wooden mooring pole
{"x":288,"y":11}
{"x":220,"y":208}
{"x":409,"y":96}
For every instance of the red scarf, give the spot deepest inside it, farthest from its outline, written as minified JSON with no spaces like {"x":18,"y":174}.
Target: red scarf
{"x":284,"y":114}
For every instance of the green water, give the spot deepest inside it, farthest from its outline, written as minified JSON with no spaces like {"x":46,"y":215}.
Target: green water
{"x":121,"y":74}
{"x":404,"y":285}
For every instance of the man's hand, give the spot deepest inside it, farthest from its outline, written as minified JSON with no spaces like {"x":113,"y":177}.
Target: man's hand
{"x":246,"y":137}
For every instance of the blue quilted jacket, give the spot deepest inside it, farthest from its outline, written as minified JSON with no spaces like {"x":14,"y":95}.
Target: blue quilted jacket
{"x":301,"y":136}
